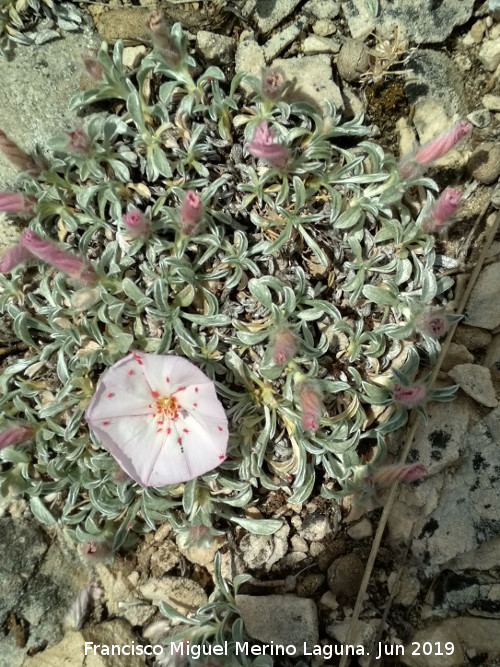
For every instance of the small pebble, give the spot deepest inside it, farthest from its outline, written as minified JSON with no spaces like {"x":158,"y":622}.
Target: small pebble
{"x":484,"y":163}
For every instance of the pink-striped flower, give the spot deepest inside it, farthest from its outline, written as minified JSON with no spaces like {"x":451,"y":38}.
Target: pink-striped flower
{"x":78,"y":141}
{"x":19,"y":157}
{"x":273,"y":82}
{"x":411,"y":396}
{"x":262,"y":145}
{"x":433,"y":322}
{"x":443,"y":210}
{"x":160,"y":418}
{"x":310,"y":404}
{"x":136,"y":223}
{"x":284,"y":346}
{"x":162,"y":39}
{"x":190,"y":212}
{"x":14,"y":256}
{"x":15,"y":435}
{"x":406,"y":473}
{"x":434,"y":149}
{"x":49,"y":252}
{"x":15,"y":202}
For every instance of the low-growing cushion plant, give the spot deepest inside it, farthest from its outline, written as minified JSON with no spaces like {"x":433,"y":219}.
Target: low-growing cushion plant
{"x":271,"y":243}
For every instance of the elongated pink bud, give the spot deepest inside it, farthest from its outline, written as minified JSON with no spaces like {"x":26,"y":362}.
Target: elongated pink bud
{"x":15,"y":435}
{"x":15,"y":154}
{"x":136,"y":223}
{"x":162,"y":39}
{"x":190,"y":212}
{"x":92,"y":66}
{"x":434,"y":149}
{"x":284,"y":346}
{"x":14,"y":256}
{"x":262,"y":145}
{"x":49,"y":252}
{"x":443,"y":210}
{"x":410,"y":396}
{"x":311,"y":405}
{"x":15,"y":202}
{"x":78,"y":141}
{"x":390,"y":474}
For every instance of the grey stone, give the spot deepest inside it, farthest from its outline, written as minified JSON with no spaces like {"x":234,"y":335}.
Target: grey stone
{"x":314,"y":82}
{"x":491,"y":102}
{"x":323,"y":28}
{"x":484,"y":163}
{"x":249,"y":57}
{"x":322,"y":9}
{"x":472,"y":337}
{"x":456,"y":354}
{"x":315,"y":44}
{"x":492,"y":358}
{"x":314,"y":527}
{"x":268,"y":14}
{"x":480,"y":118}
{"x":256,"y":550}
{"x":40,"y":82}
{"x":483,"y":307}
{"x":361,"y":529}
{"x":282,"y":39}
{"x":353,"y":60}
{"x":489,"y":54}
{"x":475,"y":381}
{"x":282,"y":619}
{"x":214,"y":48}
{"x":132,"y":55}
{"x":359,"y":17}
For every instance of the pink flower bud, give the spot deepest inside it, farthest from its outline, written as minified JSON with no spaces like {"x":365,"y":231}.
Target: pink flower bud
{"x":262,"y":145}
{"x":136,"y":222}
{"x":14,"y":256}
{"x":273,"y":82}
{"x":443,"y":209}
{"x":433,"y":322}
{"x":19,"y":157}
{"x":15,"y":435}
{"x":14,"y":202}
{"x":190,"y":212}
{"x":311,"y":405}
{"x":284,"y":346}
{"x":96,"y":551}
{"x":390,"y":474}
{"x":92,"y":66}
{"x":78,"y":141}
{"x":433,"y":149}
{"x":162,"y":39}
{"x":49,"y":252}
{"x":410,"y":397}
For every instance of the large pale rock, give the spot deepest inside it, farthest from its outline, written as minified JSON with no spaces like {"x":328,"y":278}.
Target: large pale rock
{"x":314,"y":82}
{"x":181,"y":593}
{"x":267,"y":14}
{"x":483,"y":308}
{"x":475,"y":381}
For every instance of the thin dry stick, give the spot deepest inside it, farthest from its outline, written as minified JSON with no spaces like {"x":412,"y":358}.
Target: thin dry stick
{"x":409,"y":439}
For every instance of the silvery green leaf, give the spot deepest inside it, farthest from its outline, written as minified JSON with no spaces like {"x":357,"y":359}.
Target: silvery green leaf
{"x":44,"y":36}
{"x":349,"y":218}
{"x":260,"y":291}
{"x":160,"y":162}
{"x":40,"y":512}
{"x":444,"y":284}
{"x":258,"y":526}
{"x":121,"y":170}
{"x":379,"y":295}
{"x":303,"y":493}
{"x":320,"y":255}
{"x":429,"y":286}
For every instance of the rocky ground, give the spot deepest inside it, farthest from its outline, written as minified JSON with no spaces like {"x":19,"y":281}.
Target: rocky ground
{"x":414,"y":70}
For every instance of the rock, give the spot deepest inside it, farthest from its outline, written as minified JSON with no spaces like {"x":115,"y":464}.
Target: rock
{"x":472,"y":337}
{"x":181,"y":593}
{"x":314,"y":82}
{"x":477,"y":32}
{"x":491,"y":102}
{"x":480,"y":118}
{"x":314,"y":527}
{"x":476,"y":382}
{"x":483,"y":307}
{"x":282,"y":619}
{"x":485,"y":557}
{"x":249,"y":57}
{"x":489,"y":54}
{"x":467,"y":513}
{"x":132,"y":56}
{"x":353,"y":60}
{"x":456,"y":354}
{"x":364,"y":633}
{"x":268,"y":14}
{"x":309,"y":584}
{"x":215,"y":49}
{"x":138,"y":614}
{"x":492,"y":358}
{"x":71,"y":650}
{"x":264,"y":550}
{"x":473,"y":593}
{"x":321,"y":9}
{"x":299,"y":544}
{"x":484,"y":163}
{"x":345,"y":574}
{"x":123,"y":23}
{"x":361,"y":529}
{"x":315,"y":44}
{"x":477,"y":635}
{"x":203,"y":556}
{"x":324,"y":28}
{"x":282,"y":39}
{"x":359,"y":17}
{"x":164,"y":557}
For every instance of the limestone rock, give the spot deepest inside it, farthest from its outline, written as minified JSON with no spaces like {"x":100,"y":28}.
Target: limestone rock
{"x":181,"y":593}
{"x":475,"y":381}
{"x":484,"y":163}
{"x":483,"y":308}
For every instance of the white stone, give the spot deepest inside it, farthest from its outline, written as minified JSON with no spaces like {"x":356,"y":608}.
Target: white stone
{"x":314,"y":82}
{"x":323,"y":28}
{"x":483,"y":307}
{"x":249,"y":58}
{"x":361,"y":529}
{"x":281,"y":40}
{"x":181,"y":593}
{"x":132,"y":55}
{"x":489,"y":54}
{"x":215,"y":48}
{"x":315,"y":44}
{"x":475,"y":381}
{"x":268,"y":13}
